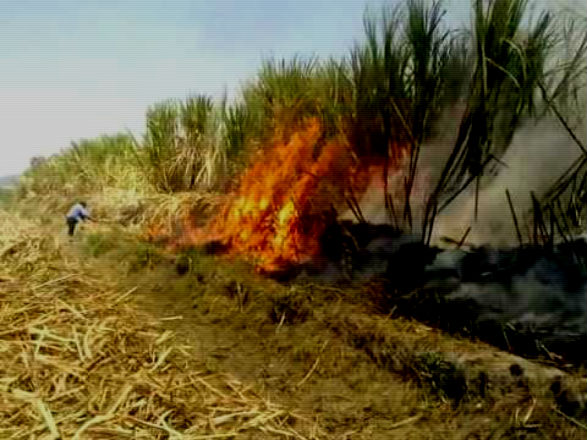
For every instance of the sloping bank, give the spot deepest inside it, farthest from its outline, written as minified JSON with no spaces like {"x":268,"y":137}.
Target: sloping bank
{"x":104,"y":365}
{"x":76,"y":361}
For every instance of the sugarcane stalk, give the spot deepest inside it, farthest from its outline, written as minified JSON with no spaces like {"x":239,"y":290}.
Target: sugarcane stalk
{"x":514,"y":217}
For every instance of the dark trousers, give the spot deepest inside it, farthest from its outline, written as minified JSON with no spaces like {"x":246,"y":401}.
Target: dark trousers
{"x":71,"y":222}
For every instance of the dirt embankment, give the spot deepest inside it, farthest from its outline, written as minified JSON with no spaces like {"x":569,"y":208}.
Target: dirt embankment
{"x":268,"y":360}
{"x":357,"y":371}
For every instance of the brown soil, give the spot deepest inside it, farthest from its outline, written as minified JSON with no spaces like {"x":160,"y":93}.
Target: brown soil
{"x":352,"y":371}
{"x":333,"y":358}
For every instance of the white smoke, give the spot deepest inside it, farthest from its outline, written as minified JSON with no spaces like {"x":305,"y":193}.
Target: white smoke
{"x":539,"y":154}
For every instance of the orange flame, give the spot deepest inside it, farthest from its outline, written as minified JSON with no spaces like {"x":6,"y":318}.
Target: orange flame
{"x":285,"y":201}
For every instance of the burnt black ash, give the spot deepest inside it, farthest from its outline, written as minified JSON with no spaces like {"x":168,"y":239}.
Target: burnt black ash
{"x":529,"y":300}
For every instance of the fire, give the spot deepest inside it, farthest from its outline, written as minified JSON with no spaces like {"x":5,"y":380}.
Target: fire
{"x":285,"y":201}
{"x":282,"y":205}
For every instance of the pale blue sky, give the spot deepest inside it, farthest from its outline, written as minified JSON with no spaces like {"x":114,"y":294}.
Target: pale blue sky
{"x":80,"y":68}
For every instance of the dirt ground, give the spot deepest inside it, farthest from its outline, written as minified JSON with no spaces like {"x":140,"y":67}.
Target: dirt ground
{"x":348,"y":370}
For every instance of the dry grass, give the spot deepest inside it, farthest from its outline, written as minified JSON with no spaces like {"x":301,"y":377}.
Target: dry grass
{"x":76,"y":362}
{"x":165,"y":213}
{"x":146,"y":214}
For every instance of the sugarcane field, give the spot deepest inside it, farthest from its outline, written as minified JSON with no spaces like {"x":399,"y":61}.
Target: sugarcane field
{"x":332,"y":220}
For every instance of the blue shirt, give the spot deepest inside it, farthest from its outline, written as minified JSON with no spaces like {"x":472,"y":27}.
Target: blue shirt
{"x":78,"y":212}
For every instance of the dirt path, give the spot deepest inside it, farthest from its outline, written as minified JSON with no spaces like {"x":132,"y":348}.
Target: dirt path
{"x":326,"y":353}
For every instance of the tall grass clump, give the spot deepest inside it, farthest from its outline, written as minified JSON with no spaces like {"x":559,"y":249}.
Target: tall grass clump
{"x":282,"y":95}
{"x":241,"y":134}
{"x":160,"y":143}
{"x":510,"y":66}
{"x":398,"y":75}
{"x":399,"y":85}
{"x":7,"y":197}
{"x":333,"y":89}
{"x":564,"y":92}
{"x":184,"y":147}
{"x":410,"y":69}
{"x":380,"y":96}
{"x":88,"y":165}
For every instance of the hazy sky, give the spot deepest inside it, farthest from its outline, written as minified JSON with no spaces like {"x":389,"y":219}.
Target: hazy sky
{"x":71,"y":69}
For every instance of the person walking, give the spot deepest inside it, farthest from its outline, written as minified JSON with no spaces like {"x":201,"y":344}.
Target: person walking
{"x":77,"y":213}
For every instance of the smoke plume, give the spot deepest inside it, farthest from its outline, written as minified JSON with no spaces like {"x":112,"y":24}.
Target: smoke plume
{"x":539,"y":154}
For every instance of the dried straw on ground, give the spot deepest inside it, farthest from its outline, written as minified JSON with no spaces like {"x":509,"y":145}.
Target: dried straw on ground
{"x":150,"y":216}
{"x":78,"y":362}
